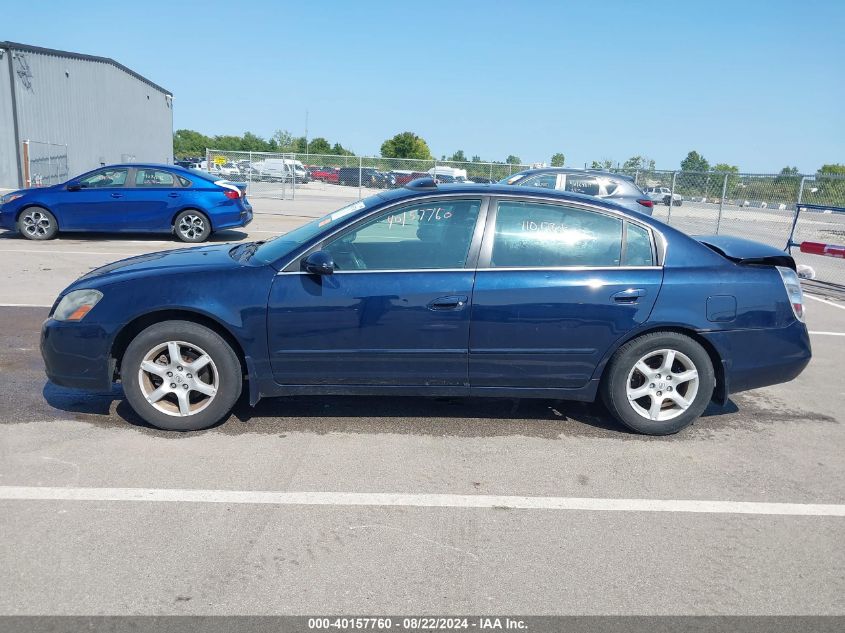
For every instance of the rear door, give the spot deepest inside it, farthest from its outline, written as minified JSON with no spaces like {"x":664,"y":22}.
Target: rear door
{"x":151,"y":199}
{"x":557,"y":285}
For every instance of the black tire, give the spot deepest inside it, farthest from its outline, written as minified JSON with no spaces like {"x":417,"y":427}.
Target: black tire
{"x":225,"y":364}
{"x":667,"y":201}
{"x":678,"y":203}
{"x":621,"y":369}
{"x":37,"y":223}
{"x":192,"y":226}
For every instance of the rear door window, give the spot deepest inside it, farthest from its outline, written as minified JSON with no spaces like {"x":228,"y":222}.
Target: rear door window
{"x":154,"y":178}
{"x":540,"y":235}
{"x":588,"y":185}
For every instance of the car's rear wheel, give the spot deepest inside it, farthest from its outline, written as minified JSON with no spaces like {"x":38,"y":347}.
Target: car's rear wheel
{"x":37,"y":223}
{"x":181,"y":376}
{"x":677,"y":203}
{"x":659,"y":383}
{"x":192,"y":226}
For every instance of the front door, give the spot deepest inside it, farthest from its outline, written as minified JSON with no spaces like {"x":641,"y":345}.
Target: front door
{"x":92,"y":206}
{"x":556,"y":286}
{"x":395,"y":312}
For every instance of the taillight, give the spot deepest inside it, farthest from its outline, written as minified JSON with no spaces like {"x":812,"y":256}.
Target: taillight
{"x":793,"y":290}
{"x":646,"y":203}
{"x":230,"y":191}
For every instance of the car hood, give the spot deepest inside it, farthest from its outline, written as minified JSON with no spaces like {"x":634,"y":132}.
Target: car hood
{"x":202,"y":258}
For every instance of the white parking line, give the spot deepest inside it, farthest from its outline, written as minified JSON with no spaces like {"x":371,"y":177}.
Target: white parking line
{"x":828,"y":333}
{"x":39,"y":493}
{"x":61,"y":252}
{"x":26,"y":305}
{"x":830,"y":303}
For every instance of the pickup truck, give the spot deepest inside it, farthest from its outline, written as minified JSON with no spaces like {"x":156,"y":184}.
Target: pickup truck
{"x":664,"y":194}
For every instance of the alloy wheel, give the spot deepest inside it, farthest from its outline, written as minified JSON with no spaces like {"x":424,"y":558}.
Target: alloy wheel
{"x":178,"y":378}
{"x":662,"y":384}
{"x":36,"y":223}
{"x":192,"y":226}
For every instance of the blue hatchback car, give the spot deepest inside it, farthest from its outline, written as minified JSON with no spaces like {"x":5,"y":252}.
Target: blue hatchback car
{"x":458,"y":290}
{"x":149,"y":198}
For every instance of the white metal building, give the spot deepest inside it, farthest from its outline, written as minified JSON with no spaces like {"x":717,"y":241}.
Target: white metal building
{"x":64,"y":113}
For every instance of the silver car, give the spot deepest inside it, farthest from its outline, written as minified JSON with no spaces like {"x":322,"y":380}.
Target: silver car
{"x":601,"y":184}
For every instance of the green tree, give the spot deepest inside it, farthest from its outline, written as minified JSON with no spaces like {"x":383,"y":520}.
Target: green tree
{"x":189,"y":143}
{"x":513,"y":160}
{"x":834,"y":169}
{"x":476,"y":158}
{"x":284,"y":140}
{"x":319,"y":145}
{"x":459,"y":156}
{"x":604,"y":163}
{"x":733,"y":178}
{"x":640,"y":163}
{"x":830,"y":186}
{"x":405,"y":145}
{"x":789,"y":171}
{"x":695,"y":162}
{"x":558,"y":160}
{"x":339,"y":150}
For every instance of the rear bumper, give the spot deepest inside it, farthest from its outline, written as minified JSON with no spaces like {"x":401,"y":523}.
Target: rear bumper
{"x":759,"y":358}
{"x":231,"y":221}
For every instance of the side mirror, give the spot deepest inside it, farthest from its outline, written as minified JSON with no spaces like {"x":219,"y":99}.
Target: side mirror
{"x":74,"y":186}
{"x":318,"y":263}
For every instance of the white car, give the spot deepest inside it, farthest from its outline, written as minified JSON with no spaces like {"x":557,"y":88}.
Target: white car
{"x":664,"y":194}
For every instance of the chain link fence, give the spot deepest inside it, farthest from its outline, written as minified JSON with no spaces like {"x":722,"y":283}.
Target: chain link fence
{"x":45,"y":164}
{"x":780,"y":210}
{"x":286,"y":175}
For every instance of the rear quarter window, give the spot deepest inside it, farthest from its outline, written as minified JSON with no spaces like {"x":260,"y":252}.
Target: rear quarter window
{"x":638,"y":247}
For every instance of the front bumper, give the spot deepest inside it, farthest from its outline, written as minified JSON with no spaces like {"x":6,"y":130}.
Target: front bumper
{"x":76,"y":354}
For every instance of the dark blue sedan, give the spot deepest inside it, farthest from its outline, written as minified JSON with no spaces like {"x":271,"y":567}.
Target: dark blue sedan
{"x":451,"y":290}
{"x":130,"y":198}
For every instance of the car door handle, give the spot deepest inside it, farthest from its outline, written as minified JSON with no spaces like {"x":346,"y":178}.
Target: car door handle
{"x":456,"y":302}
{"x":173,"y":195}
{"x":117,"y":195}
{"x":631,"y":295}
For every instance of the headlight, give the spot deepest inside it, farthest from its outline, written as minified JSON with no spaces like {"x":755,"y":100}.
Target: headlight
{"x":75,"y":305}
{"x":9,"y":197}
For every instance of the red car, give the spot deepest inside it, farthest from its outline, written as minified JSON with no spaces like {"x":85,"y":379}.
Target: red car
{"x":403,"y":177}
{"x":326,"y":174}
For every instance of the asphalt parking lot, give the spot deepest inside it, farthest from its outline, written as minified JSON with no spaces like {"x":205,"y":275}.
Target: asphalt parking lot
{"x":389,"y":505}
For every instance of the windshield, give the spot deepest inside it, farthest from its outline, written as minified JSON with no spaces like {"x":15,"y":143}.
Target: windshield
{"x":281,"y":245}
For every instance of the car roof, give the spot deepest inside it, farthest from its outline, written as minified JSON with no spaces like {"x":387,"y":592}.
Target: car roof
{"x":423,"y":189}
{"x":145,"y":166}
{"x":575,"y":170}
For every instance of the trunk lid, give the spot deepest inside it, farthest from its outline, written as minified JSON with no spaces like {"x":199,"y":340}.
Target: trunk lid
{"x":746,"y":252}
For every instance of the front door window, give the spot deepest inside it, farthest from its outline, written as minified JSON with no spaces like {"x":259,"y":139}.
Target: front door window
{"x":434,"y":235}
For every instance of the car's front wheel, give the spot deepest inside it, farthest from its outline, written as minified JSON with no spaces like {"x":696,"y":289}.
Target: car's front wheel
{"x":181,"y":376}
{"x":37,"y":223}
{"x":659,"y":383}
{"x":192,"y":226}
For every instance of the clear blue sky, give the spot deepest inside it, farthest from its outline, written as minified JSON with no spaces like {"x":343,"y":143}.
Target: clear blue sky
{"x":752,"y":83}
